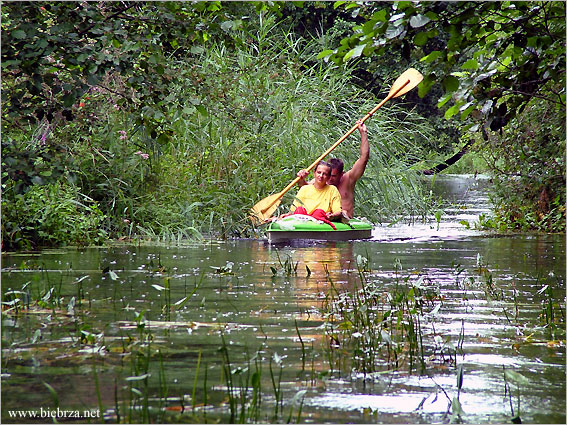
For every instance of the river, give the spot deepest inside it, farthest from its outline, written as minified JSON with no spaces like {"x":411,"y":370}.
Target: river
{"x":245,"y":331}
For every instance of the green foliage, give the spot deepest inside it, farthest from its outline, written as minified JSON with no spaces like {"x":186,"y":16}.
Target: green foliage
{"x":176,"y":118}
{"x":31,"y":160}
{"x":496,"y":66}
{"x":530,"y":190}
{"x":239,"y":120}
{"x":49,"y":215}
{"x":490,"y":58}
{"x":54,"y":52}
{"x":259,"y":117}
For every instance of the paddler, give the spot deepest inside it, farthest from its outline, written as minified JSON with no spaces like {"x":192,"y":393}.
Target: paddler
{"x":345,"y":182}
{"x":320,"y":200}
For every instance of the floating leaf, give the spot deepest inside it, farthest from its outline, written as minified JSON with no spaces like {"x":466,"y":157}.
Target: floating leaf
{"x":298,"y":395}
{"x":181,"y":302}
{"x":139,"y":377}
{"x":79,"y":280}
{"x":435,"y":310}
{"x":516,"y":377}
{"x":543,"y":289}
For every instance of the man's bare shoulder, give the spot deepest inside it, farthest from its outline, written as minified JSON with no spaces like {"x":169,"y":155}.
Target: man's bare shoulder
{"x":347,"y":181}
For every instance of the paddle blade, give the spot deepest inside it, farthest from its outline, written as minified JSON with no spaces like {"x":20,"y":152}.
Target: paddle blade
{"x":405,"y":82}
{"x":265,"y":208}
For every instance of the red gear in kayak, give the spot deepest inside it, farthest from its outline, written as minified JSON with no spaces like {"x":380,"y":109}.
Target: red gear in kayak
{"x":319,"y":214}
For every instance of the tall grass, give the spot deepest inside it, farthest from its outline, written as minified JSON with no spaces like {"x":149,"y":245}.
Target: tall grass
{"x":243,"y":119}
{"x":257,"y":115}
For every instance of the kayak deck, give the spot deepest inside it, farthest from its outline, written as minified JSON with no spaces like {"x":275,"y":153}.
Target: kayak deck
{"x":299,"y":226}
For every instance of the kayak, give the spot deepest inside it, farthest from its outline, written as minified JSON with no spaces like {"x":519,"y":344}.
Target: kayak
{"x":299,"y":226}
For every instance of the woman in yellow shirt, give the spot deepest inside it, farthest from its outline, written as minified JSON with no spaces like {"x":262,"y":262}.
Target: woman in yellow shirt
{"x":319,"y":195}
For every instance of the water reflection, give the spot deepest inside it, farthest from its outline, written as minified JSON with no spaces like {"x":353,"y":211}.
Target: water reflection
{"x":257,"y":303}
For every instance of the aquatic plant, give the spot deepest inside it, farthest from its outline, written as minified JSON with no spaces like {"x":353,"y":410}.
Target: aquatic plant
{"x":519,"y":380}
{"x":288,"y":267}
{"x":381,"y":329}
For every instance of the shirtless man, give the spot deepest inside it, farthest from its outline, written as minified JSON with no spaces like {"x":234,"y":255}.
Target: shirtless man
{"x":346,"y":182}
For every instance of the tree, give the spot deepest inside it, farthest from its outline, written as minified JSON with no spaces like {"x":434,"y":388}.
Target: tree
{"x":54,"y":52}
{"x":490,"y":58}
{"x":500,"y":67}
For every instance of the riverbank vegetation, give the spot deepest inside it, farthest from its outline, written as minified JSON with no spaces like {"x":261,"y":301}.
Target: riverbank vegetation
{"x":170,"y":120}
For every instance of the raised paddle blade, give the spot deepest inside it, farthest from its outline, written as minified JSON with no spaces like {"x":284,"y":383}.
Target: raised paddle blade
{"x":405,"y":82}
{"x":265,"y":208}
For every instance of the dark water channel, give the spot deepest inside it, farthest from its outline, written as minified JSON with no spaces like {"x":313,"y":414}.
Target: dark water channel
{"x":147,"y":333}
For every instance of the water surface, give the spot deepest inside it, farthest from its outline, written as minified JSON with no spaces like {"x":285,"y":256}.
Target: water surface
{"x":109,"y":336}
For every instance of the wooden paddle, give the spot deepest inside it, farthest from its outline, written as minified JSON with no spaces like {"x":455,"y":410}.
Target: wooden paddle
{"x":266,"y":207}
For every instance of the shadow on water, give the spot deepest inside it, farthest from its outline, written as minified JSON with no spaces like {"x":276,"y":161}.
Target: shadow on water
{"x":245,"y":331}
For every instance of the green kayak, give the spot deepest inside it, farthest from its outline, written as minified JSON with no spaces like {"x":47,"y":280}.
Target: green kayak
{"x":300,"y":226}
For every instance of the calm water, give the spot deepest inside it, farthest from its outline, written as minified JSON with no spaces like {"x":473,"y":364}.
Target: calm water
{"x":108,"y":312}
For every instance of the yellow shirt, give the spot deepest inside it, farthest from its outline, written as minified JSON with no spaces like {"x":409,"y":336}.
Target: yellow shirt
{"x":328,"y":199}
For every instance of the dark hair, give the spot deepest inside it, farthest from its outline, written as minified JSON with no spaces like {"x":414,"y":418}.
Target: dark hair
{"x":326,"y":164}
{"x":337,"y":164}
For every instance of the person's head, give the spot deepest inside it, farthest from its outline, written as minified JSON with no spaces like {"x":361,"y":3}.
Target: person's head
{"x":322,"y":173}
{"x":337,"y":168}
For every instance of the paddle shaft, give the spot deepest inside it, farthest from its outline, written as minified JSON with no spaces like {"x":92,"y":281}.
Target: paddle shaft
{"x":328,"y":151}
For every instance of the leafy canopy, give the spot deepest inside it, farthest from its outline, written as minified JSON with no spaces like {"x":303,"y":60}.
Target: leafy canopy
{"x":490,"y":58}
{"x":54,"y":52}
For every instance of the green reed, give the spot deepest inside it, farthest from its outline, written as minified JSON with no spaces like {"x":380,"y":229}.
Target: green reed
{"x":381,"y":329}
{"x":518,"y":380}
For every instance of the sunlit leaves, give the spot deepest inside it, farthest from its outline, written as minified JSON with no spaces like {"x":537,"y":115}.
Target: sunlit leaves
{"x":354,"y":53}
{"x":470,"y":64}
{"x":418,"y":21}
{"x":452,"y":111}
{"x":444,"y":100}
{"x":325,"y":54}
{"x":433,"y":56}
{"x":525,"y":42}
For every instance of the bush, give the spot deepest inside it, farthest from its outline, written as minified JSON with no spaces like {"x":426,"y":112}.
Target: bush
{"x":50,"y":215}
{"x":528,"y":162}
